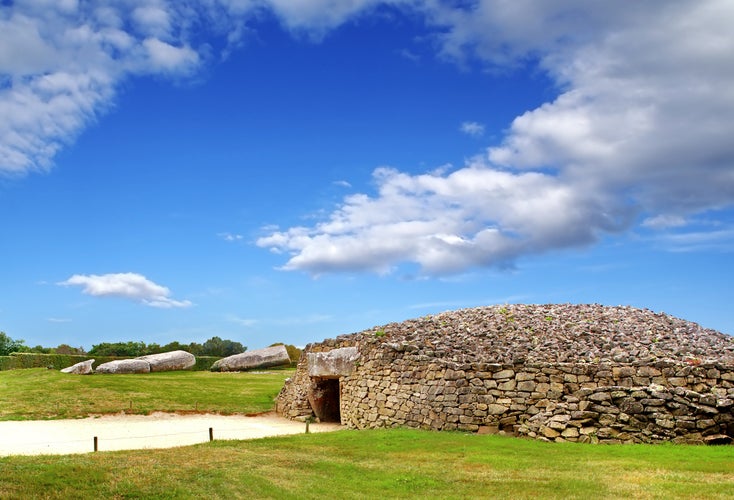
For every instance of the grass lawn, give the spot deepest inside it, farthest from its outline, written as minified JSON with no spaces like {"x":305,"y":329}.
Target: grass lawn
{"x":395,"y":463}
{"x":38,"y":393}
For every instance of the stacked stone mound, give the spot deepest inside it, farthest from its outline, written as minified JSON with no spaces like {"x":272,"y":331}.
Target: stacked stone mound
{"x":559,"y":333}
{"x":585,"y":373}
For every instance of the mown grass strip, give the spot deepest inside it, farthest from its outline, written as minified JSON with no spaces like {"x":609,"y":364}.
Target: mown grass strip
{"x":38,"y":393}
{"x":396,"y":463}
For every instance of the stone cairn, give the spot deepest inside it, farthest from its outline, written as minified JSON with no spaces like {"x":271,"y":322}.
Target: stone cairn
{"x":583,"y":373}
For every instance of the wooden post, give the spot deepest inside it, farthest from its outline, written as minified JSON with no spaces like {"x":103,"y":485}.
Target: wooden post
{"x":211,"y":434}
{"x":95,"y":443}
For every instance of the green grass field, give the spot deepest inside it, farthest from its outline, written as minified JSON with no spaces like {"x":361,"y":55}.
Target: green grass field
{"x":395,"y":463}
{"x":38,"y":393}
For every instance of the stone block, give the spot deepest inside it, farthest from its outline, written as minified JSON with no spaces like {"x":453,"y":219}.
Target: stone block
{"x":496,"y":409}
{"x":503,"y":374}
{"x":262,"y":358}
{"x":623,"y":371}
{"x":170,"y":361}
{"x":82,"y":368}
{"x":550,"y":433}
{"x":124,"y":366}
{"x":648,"y":371}
{"x":570,"y":432}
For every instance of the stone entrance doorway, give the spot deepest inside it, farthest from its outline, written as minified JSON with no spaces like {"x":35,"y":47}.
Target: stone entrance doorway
{"x":324,"y":399}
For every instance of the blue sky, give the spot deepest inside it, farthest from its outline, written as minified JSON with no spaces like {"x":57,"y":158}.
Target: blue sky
{"x":287,"y":171}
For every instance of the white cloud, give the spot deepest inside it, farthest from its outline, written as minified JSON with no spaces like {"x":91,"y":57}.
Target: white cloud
{"x":664,"y":221}
{"x":642,"y":125}
{"x":58,"y":320}
{"x":94,"y":47}
{"x":230,"y":237}
{"x":316,"y":17}
{"x":165,"y":57}
{"x":474,"y":216}
{"x":152,"y":20}
{"x":131,"y":286}
{"x":61,"y":63}
{"x":473,"y":129}
{"x":721,"y":240}
{"x":246,"y":322}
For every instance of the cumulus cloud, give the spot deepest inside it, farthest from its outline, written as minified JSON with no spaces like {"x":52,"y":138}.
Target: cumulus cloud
{"x":62,"y":62}
{"x":641,"y":126}
{"x":130,"y":286}
{"x":474,"y":216}
{"x":316,"y":17}
{"x":60,"y":65}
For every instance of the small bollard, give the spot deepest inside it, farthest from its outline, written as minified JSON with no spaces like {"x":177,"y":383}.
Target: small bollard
{"x":308,"y":422}
{"x":211,"y":434}
{"x":95,"y":443}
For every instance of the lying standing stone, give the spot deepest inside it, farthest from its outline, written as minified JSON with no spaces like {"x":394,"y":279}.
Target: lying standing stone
{"x":124,"y":366}
{"x":82,"y":368}
{"x":169,"y":361}
{"x":259,"y":358}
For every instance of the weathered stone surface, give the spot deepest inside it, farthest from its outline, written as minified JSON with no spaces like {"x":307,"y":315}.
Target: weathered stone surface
{"x":717,"y":439}
{"x":82,"y":368}
{"x":124,"y":366}
{"x":248,"y":360}
{"x":169,"y":361}
{"x":334,"y":363}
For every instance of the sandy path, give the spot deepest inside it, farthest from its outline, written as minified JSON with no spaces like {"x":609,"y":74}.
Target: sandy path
{"x":132,"y":432}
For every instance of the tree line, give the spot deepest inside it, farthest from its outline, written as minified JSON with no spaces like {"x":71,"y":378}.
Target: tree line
{"x":215,"y":346}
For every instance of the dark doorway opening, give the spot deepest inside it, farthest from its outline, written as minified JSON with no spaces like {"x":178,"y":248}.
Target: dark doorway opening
{"x":324,"y":399}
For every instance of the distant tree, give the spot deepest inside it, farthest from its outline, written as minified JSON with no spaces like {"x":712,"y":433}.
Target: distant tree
{"x":39,"y":349}
{"x":195,"y":348}
{"x":153,"y":349}
{"x":216,"y":346}
{"x":174,"y":346}
{"x":67,"y":349}
{"x":293,"y":352}
{"x":131,"y":349}
{"x":8,"y":345}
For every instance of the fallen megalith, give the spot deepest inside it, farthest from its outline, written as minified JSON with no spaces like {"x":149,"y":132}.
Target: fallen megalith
{"x":259,"y":358}
{"x":124,"y":366}
{"x":169,"y":361}
{"x":82,"y":368}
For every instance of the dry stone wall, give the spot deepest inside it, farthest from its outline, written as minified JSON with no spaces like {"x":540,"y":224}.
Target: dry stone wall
{"x":400,"y":380}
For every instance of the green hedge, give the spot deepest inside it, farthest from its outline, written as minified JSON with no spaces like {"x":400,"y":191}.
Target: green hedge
{"x":204,"y":363}
{"x":18,"y":360}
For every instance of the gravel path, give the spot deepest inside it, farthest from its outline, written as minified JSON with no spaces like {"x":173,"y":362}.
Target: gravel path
{"x":132,"y":432}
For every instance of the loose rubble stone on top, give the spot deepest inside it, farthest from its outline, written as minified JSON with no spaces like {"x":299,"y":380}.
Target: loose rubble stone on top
{"x":584,"y":373}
